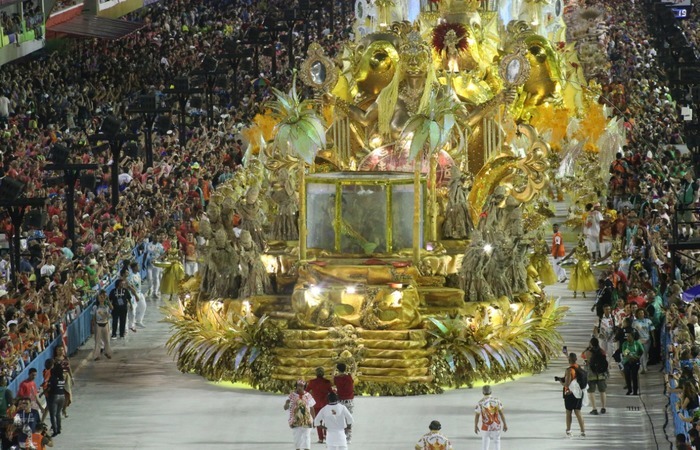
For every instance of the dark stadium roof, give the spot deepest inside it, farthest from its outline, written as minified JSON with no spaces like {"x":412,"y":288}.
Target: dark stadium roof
{"x":96,"y":27}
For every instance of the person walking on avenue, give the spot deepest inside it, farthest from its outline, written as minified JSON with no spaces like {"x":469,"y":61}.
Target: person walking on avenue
{"x":345,"y":386}
{"x":101,"y":313}
{"x":319,"y":388}
{"x":433,"y":439}
{"x":155,"y":252}
{"x":335,"y":418}
{"x":597,"y":361}
{"x":645,"y":328}
{"x":300,"y":405}
{"x":134,"y":280}
{"x":605,"y":331}
{"x":573,"y":395}
{"x":493,"y":421}
{"x":57,"y":390}
{"x":632,"y":351}
{"x":121,"y":299}
{"x":558,"y":252}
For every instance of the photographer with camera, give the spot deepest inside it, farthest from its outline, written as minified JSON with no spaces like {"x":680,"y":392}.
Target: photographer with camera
{"x":573,"y":393}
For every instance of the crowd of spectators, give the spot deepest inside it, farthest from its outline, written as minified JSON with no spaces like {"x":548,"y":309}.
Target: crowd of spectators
{"x":62,"y":98}
{"x":14,"y":23}
{"x":653,"y":180}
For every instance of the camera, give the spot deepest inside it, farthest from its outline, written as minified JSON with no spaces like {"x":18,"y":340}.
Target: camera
{"x":559,"y":379}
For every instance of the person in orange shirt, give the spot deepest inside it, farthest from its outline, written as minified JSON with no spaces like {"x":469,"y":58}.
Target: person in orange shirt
{"x":558,"y":252}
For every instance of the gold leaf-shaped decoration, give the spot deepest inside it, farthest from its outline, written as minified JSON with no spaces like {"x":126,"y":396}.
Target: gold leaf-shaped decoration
{"x":531,"y":171}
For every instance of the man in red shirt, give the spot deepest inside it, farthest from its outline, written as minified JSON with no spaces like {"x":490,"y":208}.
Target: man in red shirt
{"x":28,"y":389}
{"x":319,"y":388}
{"x":345,"y":386}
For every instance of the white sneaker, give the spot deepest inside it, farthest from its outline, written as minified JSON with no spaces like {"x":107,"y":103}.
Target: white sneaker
{"x":140,"y":325}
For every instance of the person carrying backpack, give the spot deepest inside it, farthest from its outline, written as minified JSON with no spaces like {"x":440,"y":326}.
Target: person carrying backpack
{"x":574,"y":377}
{"x":597,"y":362}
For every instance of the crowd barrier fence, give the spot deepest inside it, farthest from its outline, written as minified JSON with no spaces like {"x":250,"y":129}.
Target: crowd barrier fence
{"x":679,"y":425}
{"x":77,"y":332}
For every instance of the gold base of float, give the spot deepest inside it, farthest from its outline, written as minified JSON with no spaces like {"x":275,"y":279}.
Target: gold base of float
{"x":403,"y":337}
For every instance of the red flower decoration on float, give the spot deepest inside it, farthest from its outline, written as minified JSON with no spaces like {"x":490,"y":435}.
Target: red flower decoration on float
{"x":440,"y":32}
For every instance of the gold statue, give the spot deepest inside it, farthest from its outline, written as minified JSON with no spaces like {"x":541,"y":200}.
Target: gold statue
{"x":254,"y":278}
{"x":458,"y":223}
{"x":410,"y":92}
{"x":284,"y":224}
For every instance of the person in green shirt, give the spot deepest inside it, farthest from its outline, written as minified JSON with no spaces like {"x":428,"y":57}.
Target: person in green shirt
{"x":91,"y":270}
{"x":632,"y":351}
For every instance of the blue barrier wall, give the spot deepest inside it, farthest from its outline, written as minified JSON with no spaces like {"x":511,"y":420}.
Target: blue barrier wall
{"x":77,"y":332}
{"x":679,"y":426}
{"x":38,"y":364}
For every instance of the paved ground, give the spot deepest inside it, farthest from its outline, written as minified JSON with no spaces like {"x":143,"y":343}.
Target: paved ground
{"x":138,"y":400}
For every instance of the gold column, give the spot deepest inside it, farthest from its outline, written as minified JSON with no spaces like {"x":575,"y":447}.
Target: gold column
{"x":433,"y":197}
{"x":302,"y":212}
{"x":416,"y":211}
{"x":338,"y":216}
{"x":389,"y":218}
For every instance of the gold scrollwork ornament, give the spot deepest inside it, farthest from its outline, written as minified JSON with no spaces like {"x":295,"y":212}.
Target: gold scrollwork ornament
{"x":515,"y":68}
{"x":318,"y":71}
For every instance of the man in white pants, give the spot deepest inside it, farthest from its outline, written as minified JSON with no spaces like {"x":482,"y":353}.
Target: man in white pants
{"x":490,"y":411}
{"x":135,"y":283}
{"x":335,"y":418}
{"x":155,"y":252}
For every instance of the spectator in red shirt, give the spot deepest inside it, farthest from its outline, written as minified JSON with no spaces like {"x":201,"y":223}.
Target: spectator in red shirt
{"x":345,"y":387}
{"x":319,"y":388}
{"x":28,"y":389}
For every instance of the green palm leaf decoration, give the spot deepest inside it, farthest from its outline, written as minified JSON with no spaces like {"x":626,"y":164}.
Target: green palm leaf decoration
{"x":223,"y":346}
{"x":472,"y":348}
{"x":301,"y":131}
{"x":431,"y":128}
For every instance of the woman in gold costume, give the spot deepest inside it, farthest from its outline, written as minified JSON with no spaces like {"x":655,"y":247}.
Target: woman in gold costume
{"x":582,"y":278}
{"x":173,"y":273}
{"x":540,"y":260}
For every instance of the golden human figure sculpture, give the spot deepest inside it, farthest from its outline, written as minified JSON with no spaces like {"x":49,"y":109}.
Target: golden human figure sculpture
{"x":284,"y":225}
{"x":408,"y":91}
{"x":458,"y":223}
{"x":254,"y":278}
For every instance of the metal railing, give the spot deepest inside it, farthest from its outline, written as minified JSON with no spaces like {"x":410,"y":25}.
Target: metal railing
{"x":77,"y":332}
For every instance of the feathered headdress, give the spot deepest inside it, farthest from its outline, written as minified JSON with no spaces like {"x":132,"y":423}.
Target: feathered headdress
{"x":440,"y":40}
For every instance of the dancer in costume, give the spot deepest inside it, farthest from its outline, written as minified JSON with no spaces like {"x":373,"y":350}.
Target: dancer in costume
{"x":582,"y":278}
{"x":173,"y":273}
{"x":540,"y":261}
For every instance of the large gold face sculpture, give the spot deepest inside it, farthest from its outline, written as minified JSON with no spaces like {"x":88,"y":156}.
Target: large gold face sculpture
{"x":415,"y":54}
{"x":376,"y":61}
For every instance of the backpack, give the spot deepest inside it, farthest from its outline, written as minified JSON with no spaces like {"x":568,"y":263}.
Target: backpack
{"x":598,"y":363}
{"x":581,"y":377}
{"x":618,"y":166}
{"x":3,"y":402}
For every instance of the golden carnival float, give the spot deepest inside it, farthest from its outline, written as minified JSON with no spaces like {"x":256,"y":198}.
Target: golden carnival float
{"x":390,"y":214}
